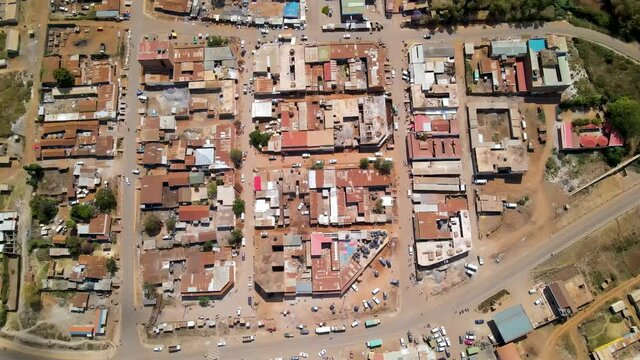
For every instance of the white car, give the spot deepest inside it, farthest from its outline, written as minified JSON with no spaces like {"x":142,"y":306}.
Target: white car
{"x":157,"y":349}
{"x":239,"y":311}
{"x":402,"y":342}
{"x":126,"y":180}
{"x":242,"y":178}
{"x":322,"y":352}
{"x":376,"y":300}
{"x":222,"y":343}
{"x":443,"y":331}
{"x":346,"y":36}
{"x":135,"y":171}
{"x":355,"y":323}
{"x":296,"y":165}
{"x":378,"y":154}
{"x":532,"y":291}
{"x":304,"y":355}
{"x":365,"y":304}
{"x":538,"y":302}
{"x":333,"y":161}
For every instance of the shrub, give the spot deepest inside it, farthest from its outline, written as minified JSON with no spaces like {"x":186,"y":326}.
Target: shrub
{"x":364,"y":163}
{"x":170,"y":224}
{"x":326,"y":10}
{"x":152,"y":225}
{"x":112,"y":265}
{"x":212,"y":189}
{"x":614,"y":156}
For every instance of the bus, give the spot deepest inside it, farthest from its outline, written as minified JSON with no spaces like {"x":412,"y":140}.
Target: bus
{"x":372,"y":344}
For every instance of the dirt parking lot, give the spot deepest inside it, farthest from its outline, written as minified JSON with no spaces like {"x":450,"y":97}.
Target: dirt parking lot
{"x":85,"y":40}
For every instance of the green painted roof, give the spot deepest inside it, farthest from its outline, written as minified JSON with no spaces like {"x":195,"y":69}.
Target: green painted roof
{"x":352,"y":7}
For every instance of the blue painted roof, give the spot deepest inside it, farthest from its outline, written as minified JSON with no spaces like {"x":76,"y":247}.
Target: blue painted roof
{"x":513,"y":323}
{"x":291,"y":10}
{"x":537,"y":44}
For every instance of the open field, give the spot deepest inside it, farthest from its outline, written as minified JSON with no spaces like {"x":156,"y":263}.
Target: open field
{"x":603,"y":328}
{"x":15,"y":91}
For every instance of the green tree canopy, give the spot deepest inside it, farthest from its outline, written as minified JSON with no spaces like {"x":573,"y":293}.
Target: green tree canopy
{"x":238,"y":206}
{"x":625,"y":116}
{"x":236,"y":157}
{"x":73,"y":243}
{"x":82,"y":212}
{"x":112,"y":265}
{"x":236,"y":237}
{"x":35,"y":172}
{"x":43,"y":208}
{"x":170,"y":223}
{"x":259,"y":139}
{"x":64,"y":78}
{"x":152,"y":225}
{"x":106,"y":200}
{"x":212,"y":189}
{"x":364,"y":163}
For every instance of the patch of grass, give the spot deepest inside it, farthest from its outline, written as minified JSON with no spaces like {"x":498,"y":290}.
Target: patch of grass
{"x":49,"y":331}
{"x":14,"y":93}
{"x":568,"y":345}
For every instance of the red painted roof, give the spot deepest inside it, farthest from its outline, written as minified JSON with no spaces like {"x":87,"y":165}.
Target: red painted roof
{"x":567,"y":140}
{"x":327,"y":71}
{"x":522,"y":79}
{"x":588,"y":141}
{"x":317,"y":239}
{"x":292,"y":139}
{"x":257,"y":183}
{"x":193,"y":212}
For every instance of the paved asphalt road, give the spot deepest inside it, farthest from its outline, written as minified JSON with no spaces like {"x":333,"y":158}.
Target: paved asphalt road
{"x":439,"y":309}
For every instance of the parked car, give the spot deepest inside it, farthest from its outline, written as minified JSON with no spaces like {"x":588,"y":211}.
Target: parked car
{"x":479,"y":321}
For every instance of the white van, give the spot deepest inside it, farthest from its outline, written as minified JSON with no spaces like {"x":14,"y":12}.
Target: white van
{"x":375,"y":291}
{"x":511,"y":205}
{"x":306,"y":155}
{"x":396,"y":126}
{"x":244,"y":241}
{"x":471,"y":267}
{"x":480,"y":181}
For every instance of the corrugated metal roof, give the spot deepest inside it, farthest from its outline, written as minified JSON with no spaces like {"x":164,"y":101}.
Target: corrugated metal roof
{"x":513,"y":323}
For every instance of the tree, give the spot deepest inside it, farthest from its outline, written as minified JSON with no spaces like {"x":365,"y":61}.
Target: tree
{"x":215,"y":41}
{"x":207,"y":246}
{"x":36,"y":173}
{"x":43,"y":208}
{"x":64,"y":78}
{"x":614,"y":156}
{"x":383,"y":166}
{"x":236,"y":157}
{"x":625,"y":117}
{"x":70,"y":224}
{"x":326,"y":10}
{"x":106,"y":200}
{"x":238,"y":206}
{"x":212,"y":189}
{"x":378,"y":209}
{"x":82,"y":212}
{"x":236,"y":237}
{"x":170,"y":224}
{"x":112,"y":265}
{"x":73,"y":243}
{"x":259,"y":139}
{"x":364,"y":163}
{"x":317,"y":165}
{"x":203,"y":301}
{"x":152,"y":225}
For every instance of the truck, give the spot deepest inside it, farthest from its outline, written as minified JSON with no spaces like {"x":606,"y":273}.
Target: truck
{"x":174,"y":348}
{"x":323,"y":330}
{"x":473,"y":350}
{"x":288,"y":335}
{"x":338,"y":329}
{"x":372,"y":344}
{"x":371,"y":322}
{"x":248,"y":338}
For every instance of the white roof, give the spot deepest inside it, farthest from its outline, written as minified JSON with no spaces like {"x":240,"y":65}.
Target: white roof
{"x":261,"y":109}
